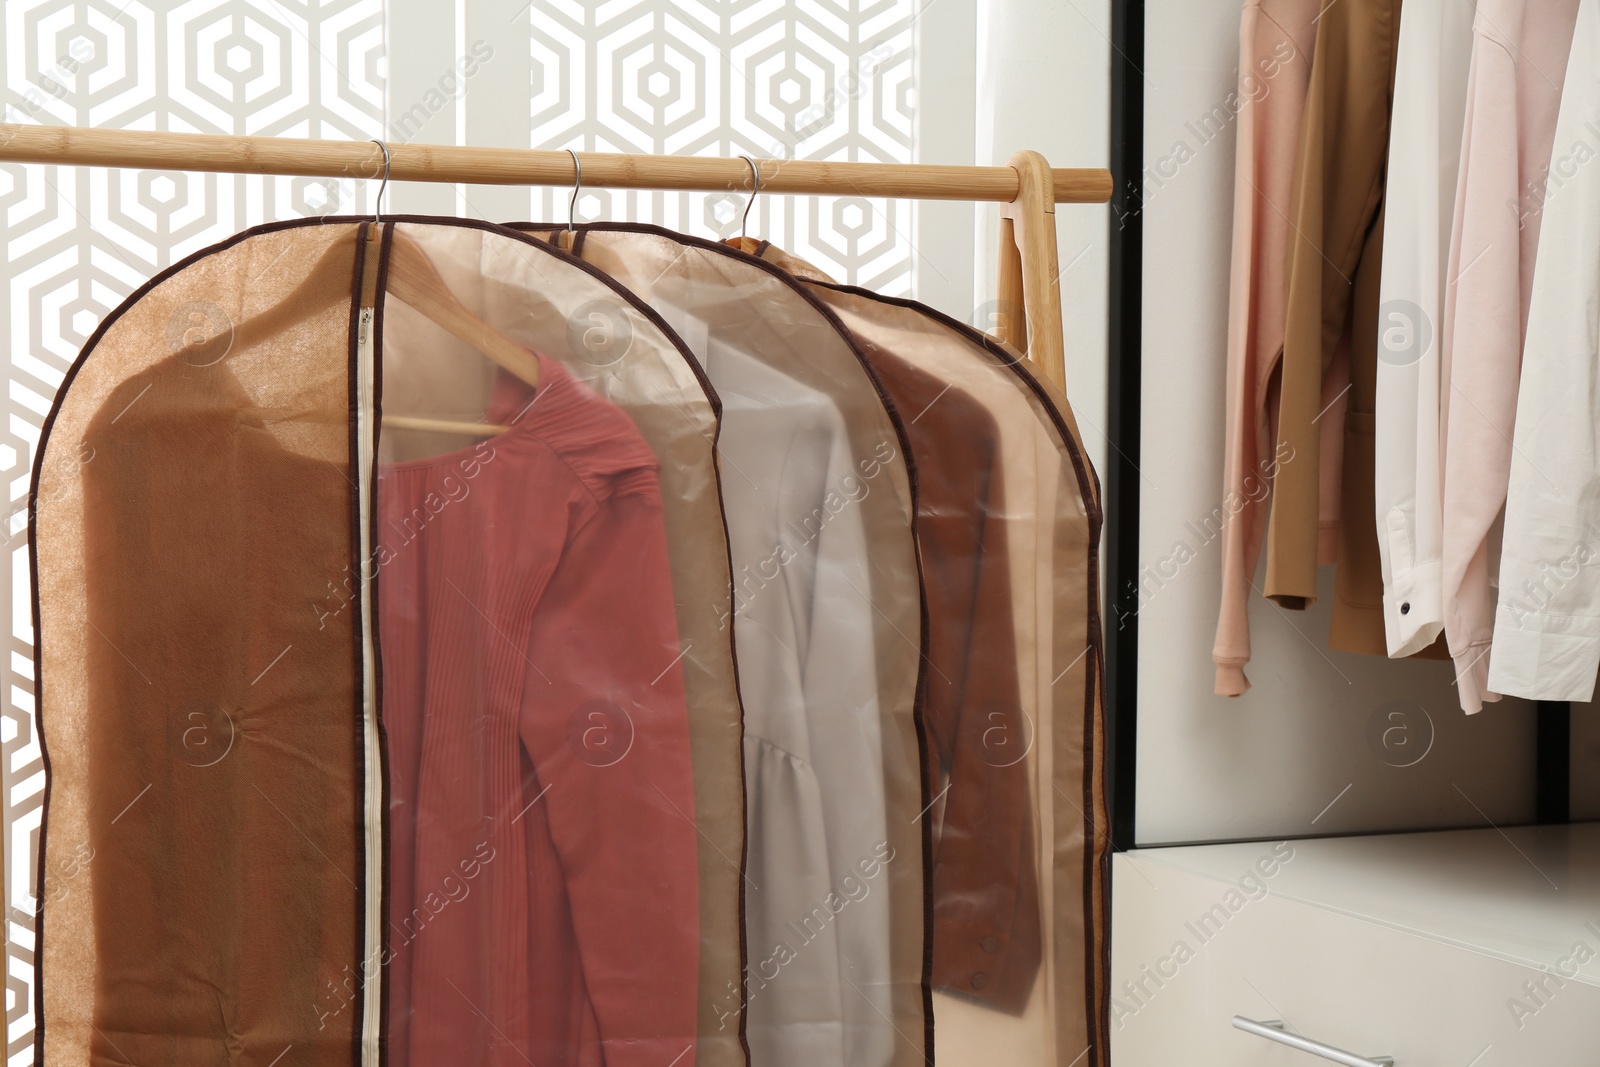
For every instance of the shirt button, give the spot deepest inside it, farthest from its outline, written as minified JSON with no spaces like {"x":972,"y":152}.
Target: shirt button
{"x":1405,"y":609}
{"x":989,"y":944}
{"x":980,"y":980}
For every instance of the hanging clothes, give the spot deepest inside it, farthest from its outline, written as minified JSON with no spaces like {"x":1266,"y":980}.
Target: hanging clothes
{"x":1007,"y":511}
{"x":1519,"y":57}
{"x":828,"y":629}
{"x":1276,"y":41}
{"x":527,"y":574}
{"x":1331,"y":317}
{"x":985,"y":891}
{"x":422,"y":668}
{"x":1547,"y":629}
{"x":459,"y":863}
{"x":620,"y":353}
{"x":1424,"y":153}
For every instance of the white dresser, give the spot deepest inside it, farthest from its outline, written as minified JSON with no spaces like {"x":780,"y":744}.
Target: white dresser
{"x":1465,"y":948}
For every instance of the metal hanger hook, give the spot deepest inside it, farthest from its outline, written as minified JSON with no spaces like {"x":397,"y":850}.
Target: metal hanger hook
{"x":377,"y":203}
{"x":755,"y":191}
{"x":577,"y":187}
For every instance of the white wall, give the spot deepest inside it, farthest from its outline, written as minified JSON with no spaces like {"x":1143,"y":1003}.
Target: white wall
{"x":1269,"y":763}
{"x":945,"y":264}
{"x":774,"y":79}
{"x":1043,"y":83}
{"x":1041,"y":72}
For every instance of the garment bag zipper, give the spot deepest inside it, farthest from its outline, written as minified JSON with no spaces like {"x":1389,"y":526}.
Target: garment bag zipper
{"x":371,"y":967}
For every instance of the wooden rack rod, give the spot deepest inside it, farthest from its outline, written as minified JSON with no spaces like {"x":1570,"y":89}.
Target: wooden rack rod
{"x":76,"y":146}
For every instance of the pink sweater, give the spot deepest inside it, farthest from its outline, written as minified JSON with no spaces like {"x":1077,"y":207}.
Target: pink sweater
{"x":1277,"y":38}
{"x":543,"y":897}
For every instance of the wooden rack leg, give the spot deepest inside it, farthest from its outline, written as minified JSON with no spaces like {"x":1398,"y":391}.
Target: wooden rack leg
{"x":1010,"y":319}
{"x":1028,"y":226}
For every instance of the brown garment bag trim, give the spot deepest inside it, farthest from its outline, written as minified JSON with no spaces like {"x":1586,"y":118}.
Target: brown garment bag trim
{"x":372,"y":280}
{"x":360,"y":282}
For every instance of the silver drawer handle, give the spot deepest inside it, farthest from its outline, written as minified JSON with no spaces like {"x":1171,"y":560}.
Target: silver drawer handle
{"x":1273,"y":1031}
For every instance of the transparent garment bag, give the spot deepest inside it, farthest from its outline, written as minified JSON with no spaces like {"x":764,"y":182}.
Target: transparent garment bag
{"x":381,"y":713}
{"x":569,"y":728}
{"x":1013,"y":706}
{"x":828,"y":629}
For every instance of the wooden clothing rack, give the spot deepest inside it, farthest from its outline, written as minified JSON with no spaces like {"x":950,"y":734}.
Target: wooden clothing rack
{"x":1029,"y":315}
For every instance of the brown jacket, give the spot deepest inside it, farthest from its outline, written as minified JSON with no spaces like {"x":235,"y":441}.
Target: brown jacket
{"x":986,"y":929}
{"x":1334,"y":260}
{"x":985,"y":893}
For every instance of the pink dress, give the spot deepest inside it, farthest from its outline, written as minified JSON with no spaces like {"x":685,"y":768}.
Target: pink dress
{"x":542,"y":896}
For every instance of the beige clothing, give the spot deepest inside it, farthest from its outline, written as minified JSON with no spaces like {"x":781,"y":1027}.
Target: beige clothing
{"x":1334,"y":260}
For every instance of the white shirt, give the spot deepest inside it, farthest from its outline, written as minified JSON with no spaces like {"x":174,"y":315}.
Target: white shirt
{"x":803,"y":632}
{"x":1430,"y":100}
{"x":1547,"y":621}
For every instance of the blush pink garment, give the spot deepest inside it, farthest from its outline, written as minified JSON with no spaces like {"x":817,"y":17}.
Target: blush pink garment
{"x":1277,"y":38}
{"x":543,"y":899}
{"x":1547,"y":628}
{"x":1519,"y":58}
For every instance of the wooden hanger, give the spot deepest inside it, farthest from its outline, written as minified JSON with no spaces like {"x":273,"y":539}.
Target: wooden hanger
{"x":414,"y":280}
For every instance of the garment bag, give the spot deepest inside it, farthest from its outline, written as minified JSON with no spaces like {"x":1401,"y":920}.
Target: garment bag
{"x":202,"y":855}
{"x":591,"y":938}
{"x":1008,"y":525}
{"x":378,"y":710}
{"x":828,"y":630}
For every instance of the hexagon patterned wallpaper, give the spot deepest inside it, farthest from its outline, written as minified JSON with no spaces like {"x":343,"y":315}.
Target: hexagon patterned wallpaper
{"x":824,"y":79}
{"x":802,"y":78}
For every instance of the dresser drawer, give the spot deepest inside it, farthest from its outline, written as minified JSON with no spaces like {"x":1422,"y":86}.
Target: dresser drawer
{"x":1190,"y":951}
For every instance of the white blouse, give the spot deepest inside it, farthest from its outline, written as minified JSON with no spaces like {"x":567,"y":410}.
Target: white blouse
{"x":1430,"y":102}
